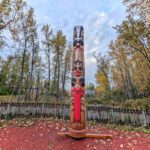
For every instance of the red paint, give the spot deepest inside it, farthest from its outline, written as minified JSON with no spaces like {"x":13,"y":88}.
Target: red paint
{"x":77,"y":107}
{"x":77,"y":93}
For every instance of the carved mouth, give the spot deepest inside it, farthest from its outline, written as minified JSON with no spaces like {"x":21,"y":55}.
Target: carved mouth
{"x":78,"y":45}
{"x":77,"y":73}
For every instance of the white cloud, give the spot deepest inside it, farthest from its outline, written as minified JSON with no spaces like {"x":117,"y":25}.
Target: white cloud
{"x":47,"y":18}
{"x":89,"y":60}
{"x":100,"y":19}
{"x":111,"y":22}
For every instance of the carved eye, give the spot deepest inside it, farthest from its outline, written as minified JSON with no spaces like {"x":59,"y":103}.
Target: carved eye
{"x":81,"y":80}
{"x":73,"y":84}
{"x":81,"y":42}
{"x":75,"y":43}
{"x":74,"y":80}
{"x":82,"y":84}
{"x":80,"y":68}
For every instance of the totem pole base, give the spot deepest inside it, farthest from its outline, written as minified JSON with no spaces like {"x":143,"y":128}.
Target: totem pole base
{"x":84,"y":134}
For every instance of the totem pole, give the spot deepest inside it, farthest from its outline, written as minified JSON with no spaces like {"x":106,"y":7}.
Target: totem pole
{"x":77,"y":102}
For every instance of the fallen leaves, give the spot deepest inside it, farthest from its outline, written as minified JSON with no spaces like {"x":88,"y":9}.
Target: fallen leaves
{"x":137,"y":134}
{"x":121,"y":145}
{"x":28,"y":132}
{"x":96,"y":141}
{"x":63,"y":129}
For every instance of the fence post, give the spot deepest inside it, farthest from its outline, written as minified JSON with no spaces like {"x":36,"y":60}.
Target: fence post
{"x":7,"y":110}
{"x":42,"y":110}
{"x":63,"y":108}
{"x":144,"y":118}
{"x":112,"y":115}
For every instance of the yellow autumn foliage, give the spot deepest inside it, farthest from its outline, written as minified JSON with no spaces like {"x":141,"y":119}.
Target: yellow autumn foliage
{"x":102,"y":83}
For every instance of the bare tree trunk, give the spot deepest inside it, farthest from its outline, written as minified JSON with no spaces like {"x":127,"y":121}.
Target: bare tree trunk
{"x":58,"y":77}
{"x":123,"y":79}
{"x":128,"y":80}
{"x":37,"y":90}
{"x":22,"y":72}
{"x":49,"y":70}
{"x":64,"y":78}
{"x":31,"y":73}
{"x":55,"y":77}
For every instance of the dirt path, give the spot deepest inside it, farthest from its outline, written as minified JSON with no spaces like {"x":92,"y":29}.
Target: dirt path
{"x":42,"y":135}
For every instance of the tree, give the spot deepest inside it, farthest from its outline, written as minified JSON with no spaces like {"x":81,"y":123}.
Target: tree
{"x":21,"y":34}
{"x":9,"y":73}
{"x":10,"y":11}
{"x":48,"y":44}
{"x":39,"y":69}
{"x":102,"y":83}
{"x":138,"y":7}
{"x":9,"y":14}
{"x":66,"y":68}
{"x":102,"y":75}
{"x":130,"y":52}
{"x":135,"y":34}
{"x":5,"y":71}
{"x":34,"y":44}
{"x":59,"y":44}
{"x":121,"y":67}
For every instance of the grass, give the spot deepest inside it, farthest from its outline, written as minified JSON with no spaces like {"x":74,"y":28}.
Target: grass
{"x":141,"y":103}
{"x":5,"y":98}
{"x":121,"y":127}
{"x":128,"y":128}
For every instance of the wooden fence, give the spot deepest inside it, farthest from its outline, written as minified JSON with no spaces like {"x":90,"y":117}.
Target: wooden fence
{"x":94,"y":112}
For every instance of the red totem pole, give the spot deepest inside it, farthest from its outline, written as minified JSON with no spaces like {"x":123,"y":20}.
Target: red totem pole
{"x":77,"y":102}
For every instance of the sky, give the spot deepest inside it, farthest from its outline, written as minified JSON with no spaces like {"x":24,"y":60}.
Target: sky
{"x":96,"y":16}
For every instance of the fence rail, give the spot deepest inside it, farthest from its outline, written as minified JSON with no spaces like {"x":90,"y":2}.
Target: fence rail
{"x":94,"y":112}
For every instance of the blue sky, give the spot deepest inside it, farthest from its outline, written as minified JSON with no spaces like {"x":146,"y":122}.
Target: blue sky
{"x":96,"y":16}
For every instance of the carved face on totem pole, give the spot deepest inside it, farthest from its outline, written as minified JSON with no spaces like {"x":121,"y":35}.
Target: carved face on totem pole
{"x":78,"y":57}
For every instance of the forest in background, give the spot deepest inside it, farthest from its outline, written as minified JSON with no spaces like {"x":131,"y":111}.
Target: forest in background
{"x":41,"y":60}
{"x":124,"y":72}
